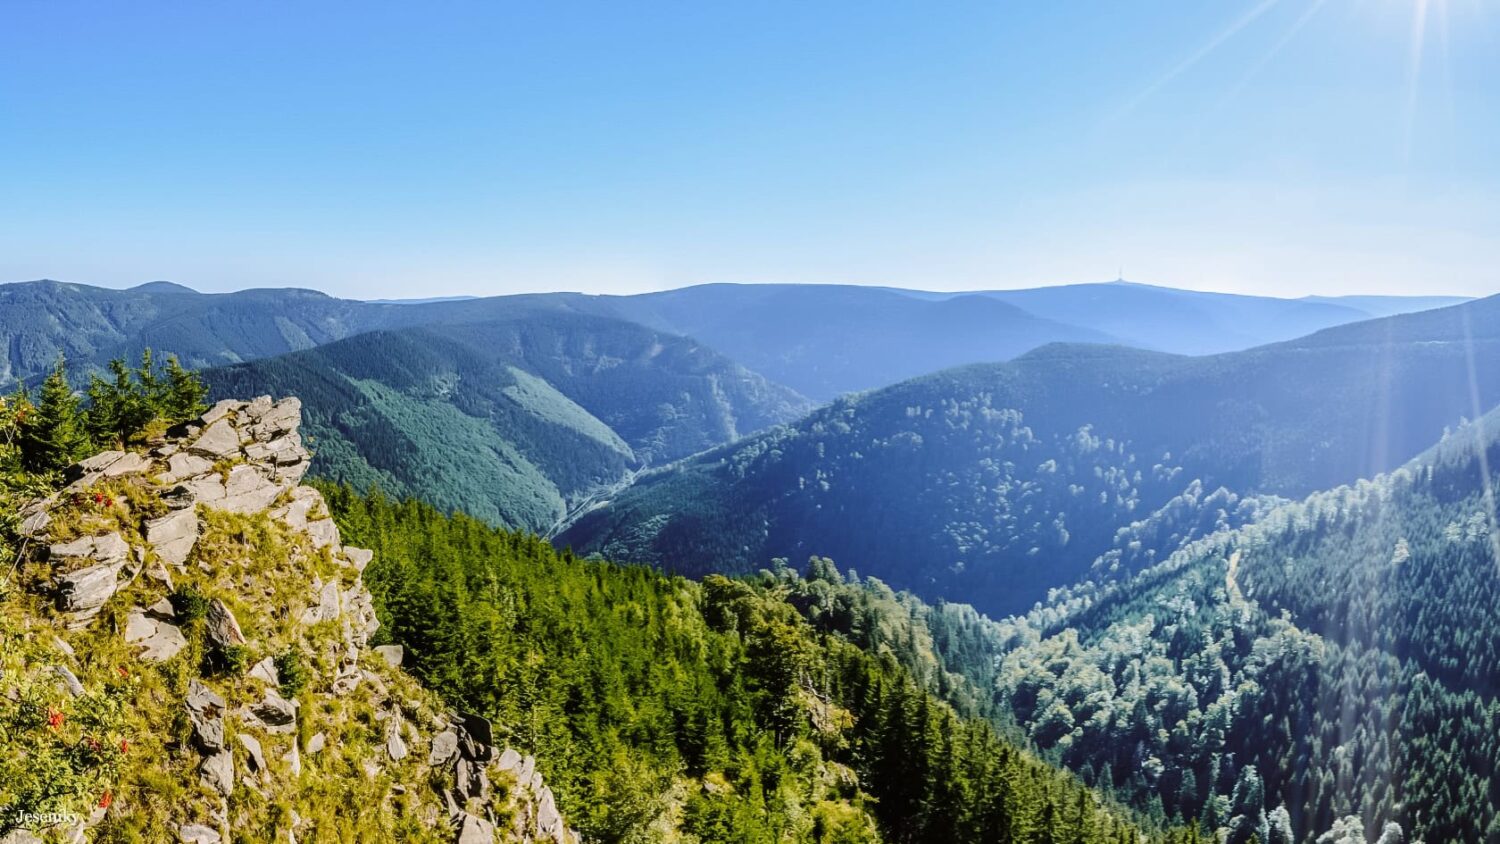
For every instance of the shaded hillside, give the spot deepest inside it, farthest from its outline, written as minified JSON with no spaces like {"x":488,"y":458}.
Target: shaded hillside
{"x":1337,"y":659}
{"x":1193,"y":322}
{"x":991,"y":484}
{"x":511,"y":421}
{"x":826,"y":340}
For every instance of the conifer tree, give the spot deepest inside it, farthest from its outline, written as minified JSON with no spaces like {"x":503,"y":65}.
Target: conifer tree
{"x":53,"y":436}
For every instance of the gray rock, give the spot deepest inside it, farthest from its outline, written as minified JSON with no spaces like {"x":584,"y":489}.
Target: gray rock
{"x":265,"y":671}
{"x":35,"y":523}
{"x":222,"y":627}
{"x":108,"y":548}
{"x":97,"y":463}
{"x":182,"y":466}
{"x":282,"y":418}
{"x":258,"y":407}
{"x":474,"y":830}
{"x":323,"y":533}
{"x":316,"y":744}
{"x":327,"y":607}
{"x":139,"y":627}
{"x":358,"y":557}
{"x":475,"y":737}
{"x":162,"y":610}
{"x":197,"y":833}
{"x":248,"y":491}
{"x":395,"y":746}
{"x":69,"y":680}
{"x":217,"y":772}
{"x":276,"y":712}
{"x":219,"y":441}
{"x":444,"y":749}
{"x":20,"y":836}
{"x":130,"y":464}
{"x":392,"y":654}
{"x":220,"y":410}
{"x":253,"y":751}
{"x":164,"y":644}
{"x":206,"y":711}
{"x":87,"y":589}
{"x":173,"y":536}
{"x":293,"y":760}
{"x":510,"y":760}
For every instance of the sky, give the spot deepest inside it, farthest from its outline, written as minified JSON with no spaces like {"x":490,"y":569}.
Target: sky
{"x":1280,"y":147}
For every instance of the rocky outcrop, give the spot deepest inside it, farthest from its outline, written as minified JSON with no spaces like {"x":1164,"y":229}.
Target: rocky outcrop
{"x":202,"y":509}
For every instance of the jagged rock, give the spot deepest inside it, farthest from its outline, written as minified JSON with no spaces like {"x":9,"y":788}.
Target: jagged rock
{"x":173,"y":536}
{"x":258,"y":406}
{"x":222,"y":627}
{"x":471,"y":779}
{"x":182,"y":465}
{"x":162,"y":610}
{"x":395,"y":746}
{"x":444,"y":749}
{"x":281,"y":418}
{"x":35,"y":523}
{"x":217,"y":772}
{"x":253,"y":750}
{"x":294,"y":514}
{"x":95,"y":464}
{"x":221,"y":409}
{"x":265,"y":671}
{"x":347,"y":681}
{"x":293,"y":760}
{"x":510,"y":760}
{"x":20,"y":836}
{"x":323,"y":533}
{"x":475,"y":830}
{"x":158,"y":572}
{"x":392,"y":654}
{"x":316,"y":744}
{"x":130,"y":464}
{"x":197,"y":833}
{"x":328,"y":606}
{"x":164,"y":644}
{"x":206,"y":712}
{"x":87,"y":589}
{"x":246,"y":490}
{"x":548,"y":821}
{"x":205,"y":489}
{"x":475,"y":735}
{"x":69,"y":680}
{"x":138,"y":627}
{"x":358,"y":557}
{"x":276,"y":712}
{"x":108,"y":548}
{"x":219,"y":441}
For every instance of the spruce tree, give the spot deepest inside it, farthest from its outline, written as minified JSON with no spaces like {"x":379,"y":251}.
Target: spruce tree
{"x":53,"y":436}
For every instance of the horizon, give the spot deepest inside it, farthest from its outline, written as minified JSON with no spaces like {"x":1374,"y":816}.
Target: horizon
{"x":957,"y":292}
{"x":1281,"y":147}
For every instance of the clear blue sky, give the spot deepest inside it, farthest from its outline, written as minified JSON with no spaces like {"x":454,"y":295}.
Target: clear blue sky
{"x":417,"y":149}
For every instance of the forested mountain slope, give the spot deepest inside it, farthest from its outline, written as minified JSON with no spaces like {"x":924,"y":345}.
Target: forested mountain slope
{"x":991,"y":484}
{"x":512,"y":420}
{"x":720,"y":712}
{"x":1338,"y":658}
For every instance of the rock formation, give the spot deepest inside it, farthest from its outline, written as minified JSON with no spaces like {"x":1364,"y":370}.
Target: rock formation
{"x":240,"y":615}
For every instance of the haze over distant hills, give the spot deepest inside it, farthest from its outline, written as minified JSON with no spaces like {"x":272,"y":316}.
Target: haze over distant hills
{"x":821,"y":340}
{"x":992,"y":483}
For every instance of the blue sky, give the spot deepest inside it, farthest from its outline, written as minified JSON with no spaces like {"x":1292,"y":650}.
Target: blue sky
{"x":418,"y":149}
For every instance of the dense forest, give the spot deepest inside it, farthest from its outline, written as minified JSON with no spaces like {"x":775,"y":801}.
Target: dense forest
{"x":664,"y":709}
{"x":1326,"y":671}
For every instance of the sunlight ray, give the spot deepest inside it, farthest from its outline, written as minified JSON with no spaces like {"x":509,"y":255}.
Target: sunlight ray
{"x":1199,"y":55}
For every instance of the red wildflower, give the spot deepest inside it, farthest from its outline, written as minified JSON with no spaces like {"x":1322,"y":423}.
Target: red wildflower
{"x":94,"y":745}
{"x":106,"y":800}
{"x":55,"y":718}
{"x":123,"y":672}
{"x":98,"y":498}
{"x":124,"y":746}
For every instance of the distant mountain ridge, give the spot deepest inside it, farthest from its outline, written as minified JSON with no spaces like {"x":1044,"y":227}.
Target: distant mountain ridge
{"x":993,"y":483}
{"x":515,"y":420}
{"x":822,"y":340}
